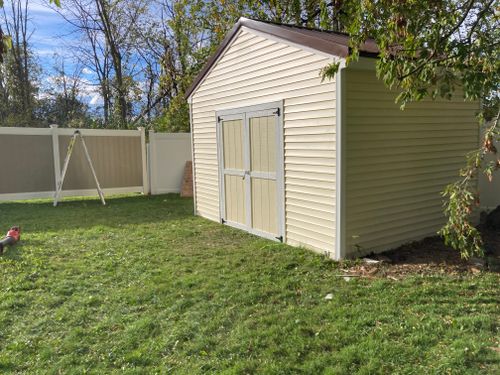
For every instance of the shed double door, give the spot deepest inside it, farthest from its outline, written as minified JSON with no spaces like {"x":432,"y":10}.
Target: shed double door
{"x":250,"y":171}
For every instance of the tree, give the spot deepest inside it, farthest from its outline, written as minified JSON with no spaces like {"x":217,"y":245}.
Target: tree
{"x":61,"y":103}
{"x":6,"y":40}
{"x":110,"y":48}
{"x":432,"y":49}
{"x":18,"y":71}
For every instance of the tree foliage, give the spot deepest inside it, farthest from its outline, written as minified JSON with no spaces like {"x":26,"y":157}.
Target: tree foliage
{"x":438,"y":49}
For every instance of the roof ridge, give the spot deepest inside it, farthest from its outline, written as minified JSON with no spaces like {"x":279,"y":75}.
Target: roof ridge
{"x":300,"y":27}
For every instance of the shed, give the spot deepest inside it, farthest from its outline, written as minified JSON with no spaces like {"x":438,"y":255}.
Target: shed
{"x":334,"y":166}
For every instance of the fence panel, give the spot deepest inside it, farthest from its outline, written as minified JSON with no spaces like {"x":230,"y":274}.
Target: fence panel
{"x":31,"y":157}
{"x":168,"y":154}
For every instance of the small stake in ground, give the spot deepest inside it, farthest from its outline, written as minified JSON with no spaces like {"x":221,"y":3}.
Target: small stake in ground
{"x":66,"y":163}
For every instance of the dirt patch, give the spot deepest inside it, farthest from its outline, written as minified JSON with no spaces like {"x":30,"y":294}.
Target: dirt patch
{"x":427,"y":257}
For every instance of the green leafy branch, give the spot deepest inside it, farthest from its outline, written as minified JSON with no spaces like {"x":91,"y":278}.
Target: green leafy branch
{"x":462,"y":198}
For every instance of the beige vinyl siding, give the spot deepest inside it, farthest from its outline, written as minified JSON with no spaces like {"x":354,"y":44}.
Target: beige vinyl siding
{"x":398,"y":162}
{"x":255,"y":70}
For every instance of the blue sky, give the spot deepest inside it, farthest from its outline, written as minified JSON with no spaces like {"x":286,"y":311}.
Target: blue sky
{"x":51,"y":33}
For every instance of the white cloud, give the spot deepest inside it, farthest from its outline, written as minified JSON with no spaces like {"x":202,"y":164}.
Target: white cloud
{"x":96,"y":100}
{"x":87,"y":71}
{"x":89,"y":91}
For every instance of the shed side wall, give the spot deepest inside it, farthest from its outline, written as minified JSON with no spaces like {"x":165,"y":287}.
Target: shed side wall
{"x":255,"y":70}
{"x":398,"y":162}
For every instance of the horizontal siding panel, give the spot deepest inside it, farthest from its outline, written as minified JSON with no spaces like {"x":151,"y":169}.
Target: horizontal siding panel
{"x":307,"y":107}
{"x":422,"y":149}
{"x":241,"y":59}
{"x":310,"y":209}
{"x":311,"y":138}
{"x":300,"y":233}
{"x":308,"y":153}
{"x":268,"y":55}
{"x":305,"y":185}
{"x":400,"y":220}
{"x":366,"y":212}
{"x":313,"y":225}
{"x":452,"y":118}
{"x":280,"y":64}
{"x":322,"y":199}
{"x":410,"y":160}
{"x":309,"y":130}
{"x":398,"y":162}
{"x":308,"y":191}
{"x":384,"y":242}
{"x":319,"y":247}
{"x":281,"y":54}
{"x":306,"y":115}
{"x":381,"y":127}
{"x":400,"y":196}
{"x":281,"y":78}
{"x":309,"y":99}
{"x":297,"y":160}
{"x":428,"y":135}
{"x":273,"y":92}
{"x":381,"y":189}
{"x":412,"y":202}
{"x":403,"y":172}
{"x":310,"y":176}
{"x":312,"y":122}
{"x":308,"y":168}
{"x":386,"y":113}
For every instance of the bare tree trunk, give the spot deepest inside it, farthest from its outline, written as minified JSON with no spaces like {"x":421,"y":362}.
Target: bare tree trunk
{"x":116,"y":57}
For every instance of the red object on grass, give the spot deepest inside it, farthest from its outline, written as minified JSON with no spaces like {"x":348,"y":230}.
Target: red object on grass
{"x":13,"y":235}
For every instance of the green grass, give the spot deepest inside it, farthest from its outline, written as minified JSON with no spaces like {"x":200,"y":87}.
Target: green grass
{"x":142,"y":286}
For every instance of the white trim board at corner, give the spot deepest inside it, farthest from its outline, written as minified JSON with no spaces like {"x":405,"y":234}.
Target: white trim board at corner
{"x":68,"y":132}
{"x":69,"y":193}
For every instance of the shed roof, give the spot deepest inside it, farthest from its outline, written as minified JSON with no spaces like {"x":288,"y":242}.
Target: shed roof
{"x":329,"y":42}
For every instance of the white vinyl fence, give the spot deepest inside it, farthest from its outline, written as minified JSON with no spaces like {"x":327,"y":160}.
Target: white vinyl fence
{"x":167,"y":156}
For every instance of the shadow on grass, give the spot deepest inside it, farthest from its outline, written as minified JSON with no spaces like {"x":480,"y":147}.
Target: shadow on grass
{"x":86,"y":212}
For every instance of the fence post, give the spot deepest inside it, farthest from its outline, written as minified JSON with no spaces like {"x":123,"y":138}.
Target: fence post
{"x":152,"y":160}
{"x":145,"y":179}
{"x":56,"y":156}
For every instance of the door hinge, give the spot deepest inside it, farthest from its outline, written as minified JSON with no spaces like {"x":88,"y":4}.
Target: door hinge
{"x":219,"y":119}
{"x":277,"y":112}
{"x":222,"y":221}
{"x":280,"y":238}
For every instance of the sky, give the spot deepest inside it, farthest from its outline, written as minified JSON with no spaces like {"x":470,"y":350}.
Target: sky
{"x":51,"y":35}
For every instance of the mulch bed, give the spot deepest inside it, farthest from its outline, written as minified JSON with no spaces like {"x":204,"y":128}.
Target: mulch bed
{"x":428,"y":257}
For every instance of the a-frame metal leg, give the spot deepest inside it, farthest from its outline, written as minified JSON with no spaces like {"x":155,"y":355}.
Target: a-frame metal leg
{"x":71,"y":146}
{"x":87,"y":155}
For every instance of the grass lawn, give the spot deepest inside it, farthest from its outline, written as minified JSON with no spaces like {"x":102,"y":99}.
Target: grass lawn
{"x":141,"y":286}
